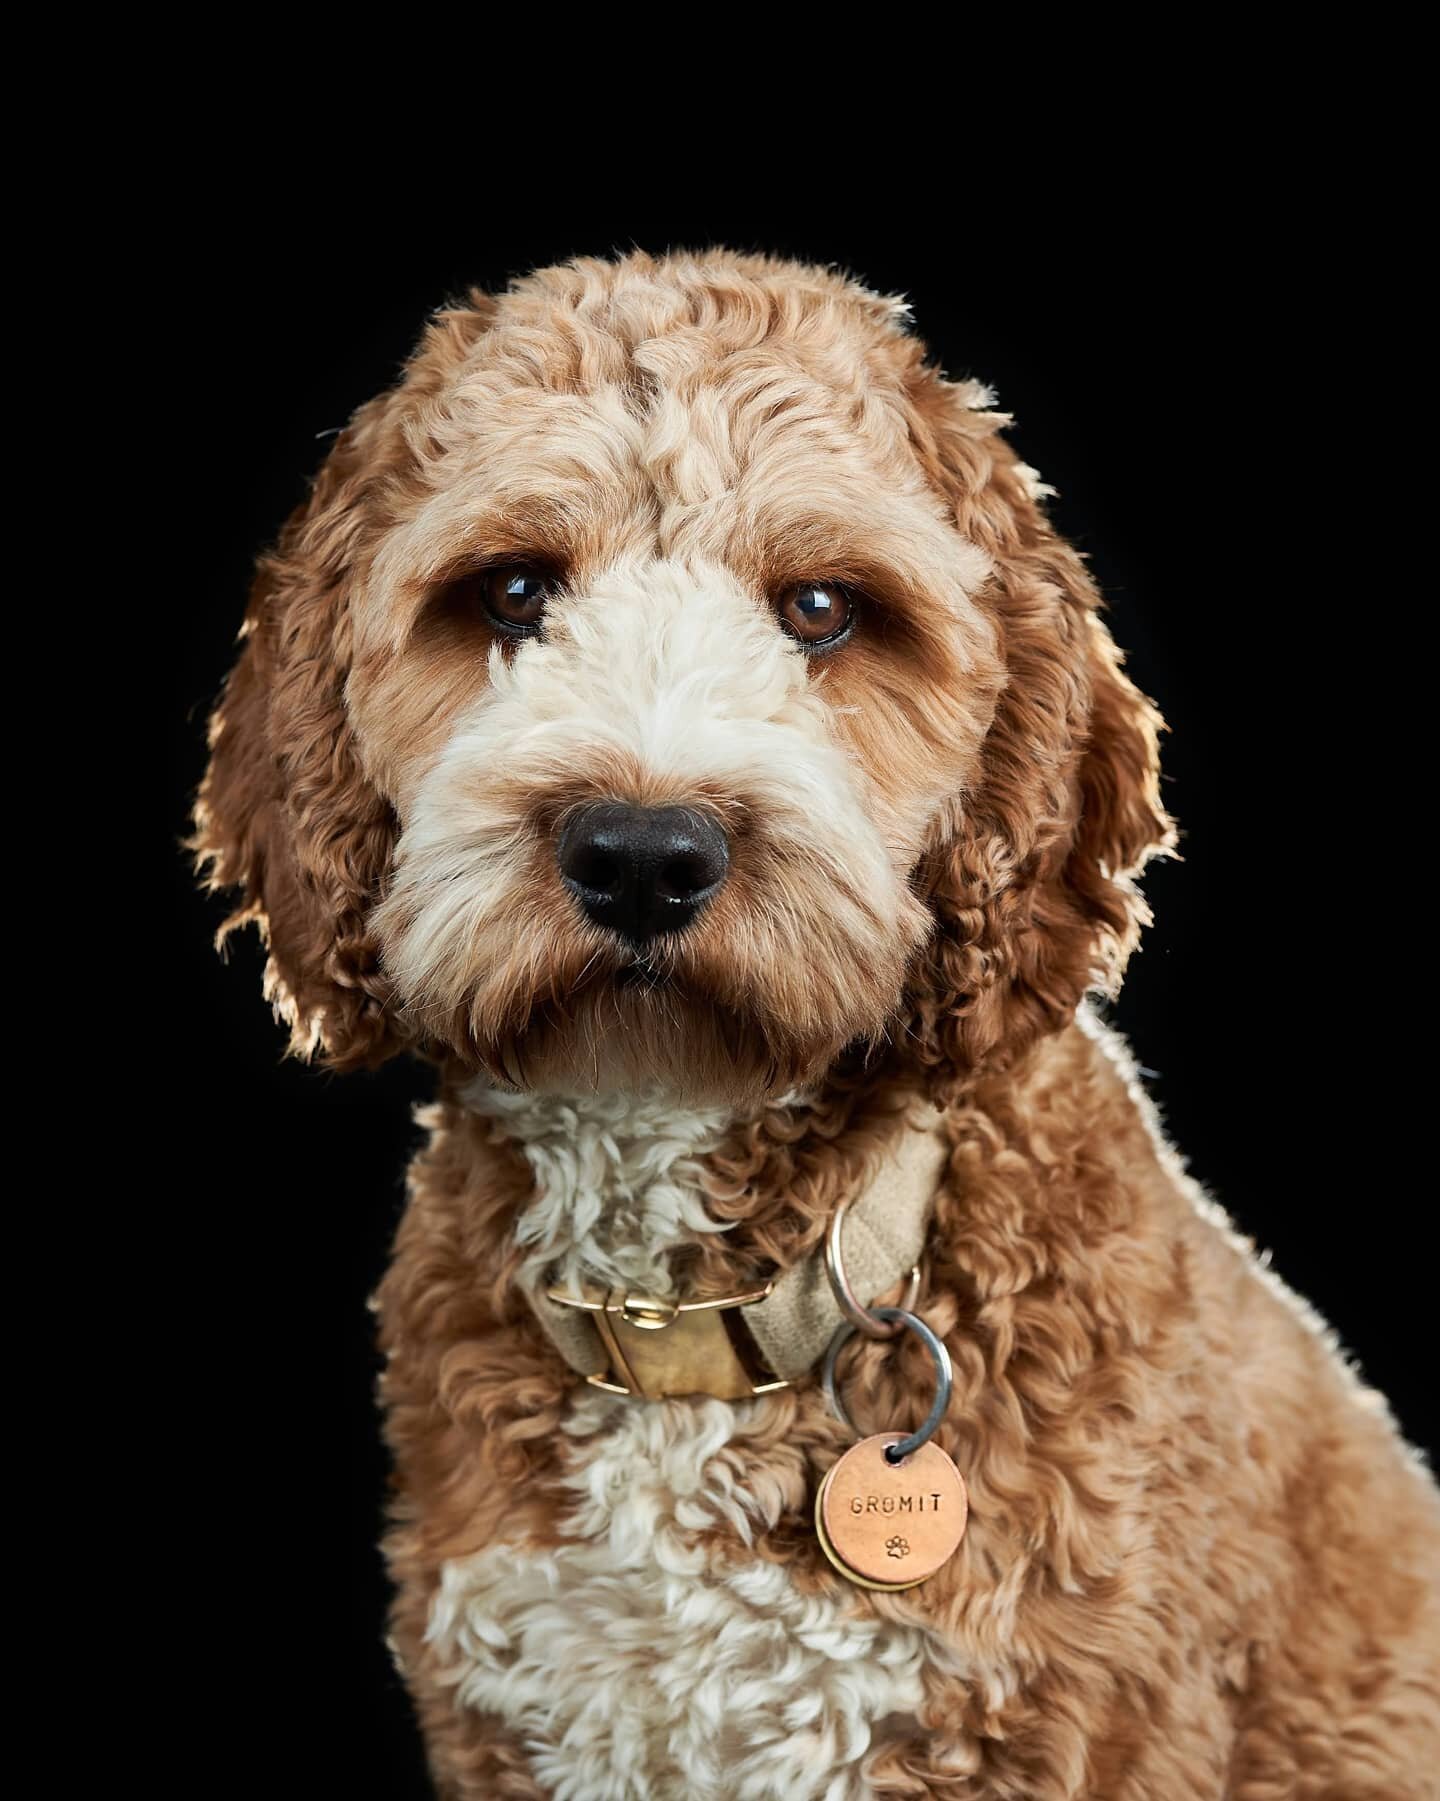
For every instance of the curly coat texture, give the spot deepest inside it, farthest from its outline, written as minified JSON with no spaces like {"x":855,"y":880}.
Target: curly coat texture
{"x":1200,"y":1561}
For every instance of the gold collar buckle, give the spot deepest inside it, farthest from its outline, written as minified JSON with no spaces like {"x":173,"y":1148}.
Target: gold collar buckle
{"x":663,"y":1347}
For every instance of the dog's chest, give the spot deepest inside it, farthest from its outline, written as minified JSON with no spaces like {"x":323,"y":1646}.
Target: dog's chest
{"x":647,"y":1649}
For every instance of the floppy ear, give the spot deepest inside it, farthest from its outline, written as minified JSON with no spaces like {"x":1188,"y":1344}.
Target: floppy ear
{"x":1034,"y":895}
{"x":285,"y":813}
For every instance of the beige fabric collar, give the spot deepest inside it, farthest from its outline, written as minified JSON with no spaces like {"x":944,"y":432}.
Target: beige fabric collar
{"x":636,"y":1346}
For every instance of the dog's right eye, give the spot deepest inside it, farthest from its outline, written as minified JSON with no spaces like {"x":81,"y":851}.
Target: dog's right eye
{"x":514,"y":596}
{"x":508,"y":597}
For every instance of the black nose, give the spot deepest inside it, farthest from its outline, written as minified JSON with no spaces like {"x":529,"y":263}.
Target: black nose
{"x":642,"y":871}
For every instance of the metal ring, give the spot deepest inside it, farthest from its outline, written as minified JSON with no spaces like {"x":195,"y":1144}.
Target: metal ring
{"x":905,"y":1447}
{"x":862,"y":1318}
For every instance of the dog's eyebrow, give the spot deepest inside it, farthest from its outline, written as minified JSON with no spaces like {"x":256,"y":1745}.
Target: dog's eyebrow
{"x":897,"y":548}
{"x":447,"y":535}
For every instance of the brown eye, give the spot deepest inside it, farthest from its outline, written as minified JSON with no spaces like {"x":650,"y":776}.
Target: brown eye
{"x":514,"y":596}
{"x":819,"y":614}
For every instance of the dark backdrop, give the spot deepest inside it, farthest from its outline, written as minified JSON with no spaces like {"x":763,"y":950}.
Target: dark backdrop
{"x":1158,"y":340}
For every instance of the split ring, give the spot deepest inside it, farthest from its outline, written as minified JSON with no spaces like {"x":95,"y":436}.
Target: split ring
{"x":870,"y":1321}
{"x":897,"y":1317}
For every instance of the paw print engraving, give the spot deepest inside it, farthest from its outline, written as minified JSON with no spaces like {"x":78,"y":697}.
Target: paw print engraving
{"x":897,"y":1546}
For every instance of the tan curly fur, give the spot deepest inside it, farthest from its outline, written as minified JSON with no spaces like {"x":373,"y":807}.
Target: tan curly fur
{"x":1200,"y":1562}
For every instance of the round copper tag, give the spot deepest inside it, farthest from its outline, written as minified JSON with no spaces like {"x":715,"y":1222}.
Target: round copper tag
{"x":890,"y":1525}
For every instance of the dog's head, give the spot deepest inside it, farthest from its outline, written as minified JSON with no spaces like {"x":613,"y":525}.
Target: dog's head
{"x":675,"y":679}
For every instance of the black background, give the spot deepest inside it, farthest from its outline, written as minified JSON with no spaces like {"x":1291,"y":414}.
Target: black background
{"x":1170,"y":332}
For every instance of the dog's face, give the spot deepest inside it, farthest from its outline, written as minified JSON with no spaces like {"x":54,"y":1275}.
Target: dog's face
{"x":674,"y":680}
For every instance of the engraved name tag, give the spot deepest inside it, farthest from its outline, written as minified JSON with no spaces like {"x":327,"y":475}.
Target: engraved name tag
{"x":890,"y":1525}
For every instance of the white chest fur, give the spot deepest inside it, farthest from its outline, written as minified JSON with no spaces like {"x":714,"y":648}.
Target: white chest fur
{"x":636,"y":1659}
{"x":638,"y":1664}
{"x":616,"y":1183}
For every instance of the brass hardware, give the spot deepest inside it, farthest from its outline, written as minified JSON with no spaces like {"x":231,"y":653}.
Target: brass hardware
{"x":646,"y":1315}
{"x":662,"y":1347}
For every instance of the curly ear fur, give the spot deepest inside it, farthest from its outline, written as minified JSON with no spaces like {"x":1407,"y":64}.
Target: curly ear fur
{"x":286,"y":813}
{"x":1033,"y":895}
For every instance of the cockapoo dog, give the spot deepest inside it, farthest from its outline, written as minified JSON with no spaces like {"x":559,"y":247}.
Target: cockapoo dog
{"x":673,"y":715}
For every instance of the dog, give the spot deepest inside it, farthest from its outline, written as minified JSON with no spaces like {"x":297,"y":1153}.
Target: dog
{"x":674,"y":716}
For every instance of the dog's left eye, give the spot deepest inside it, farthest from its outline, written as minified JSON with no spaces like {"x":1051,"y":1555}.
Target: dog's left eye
{"x":819,"y":614}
